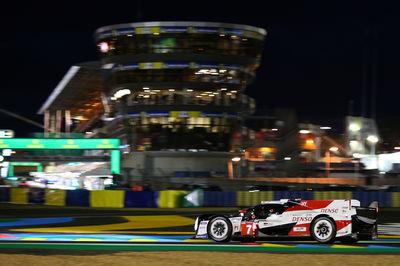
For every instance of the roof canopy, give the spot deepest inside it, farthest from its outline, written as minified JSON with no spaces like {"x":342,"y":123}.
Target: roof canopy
{"x":80,"y":87}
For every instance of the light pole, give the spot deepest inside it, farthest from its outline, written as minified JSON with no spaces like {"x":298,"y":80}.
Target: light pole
{"x":231,"y":164}
{"x":372,"y":139}
{"x":328,"y":158}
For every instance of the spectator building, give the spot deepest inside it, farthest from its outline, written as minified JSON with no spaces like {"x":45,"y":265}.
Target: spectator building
{"x":173,"y":92}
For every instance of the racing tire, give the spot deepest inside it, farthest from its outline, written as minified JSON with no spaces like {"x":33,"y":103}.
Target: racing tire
{"x":323,"y":230}
{"x":219,"y":229}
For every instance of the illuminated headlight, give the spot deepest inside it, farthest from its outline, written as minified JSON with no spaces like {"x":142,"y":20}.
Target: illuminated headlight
{"x":196,"y":224}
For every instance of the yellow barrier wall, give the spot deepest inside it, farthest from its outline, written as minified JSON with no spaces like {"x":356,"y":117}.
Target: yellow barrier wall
{"x":19,"y":195}
{"x":171,"y":198}
{"x":395,"y":199}
{"x":330,"y":195}
{"x":107,"y":198}
{"x":54,"y":197}
{"x":245,"y":198}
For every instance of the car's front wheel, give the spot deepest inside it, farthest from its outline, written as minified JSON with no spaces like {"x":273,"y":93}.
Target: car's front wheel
{"x":323,"y":230}
{"x":219,"y":229}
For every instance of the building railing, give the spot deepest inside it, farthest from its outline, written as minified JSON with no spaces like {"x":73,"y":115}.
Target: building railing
{"x":239,"y":51}
{"x":242,"y":102}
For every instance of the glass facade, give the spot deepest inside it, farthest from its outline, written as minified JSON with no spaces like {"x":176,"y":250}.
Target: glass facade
{"x":208,"y":75}
{"x":180,"y":43}
{"x":177,"y":133}
{"x":179,"y":86}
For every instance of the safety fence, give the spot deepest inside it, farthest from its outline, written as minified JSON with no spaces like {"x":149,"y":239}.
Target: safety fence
{"x":179,"y":198}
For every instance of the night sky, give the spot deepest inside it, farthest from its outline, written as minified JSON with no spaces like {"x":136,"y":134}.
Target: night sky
{"x":312,"y":61}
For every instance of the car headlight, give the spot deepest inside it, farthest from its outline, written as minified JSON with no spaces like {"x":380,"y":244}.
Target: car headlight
{"x":196,"y":224}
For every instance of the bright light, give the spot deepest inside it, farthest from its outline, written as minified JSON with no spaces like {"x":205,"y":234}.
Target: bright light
{"x":287,"y":158}
{"x":235,"y":159}
{"x":309,"y":141}
{"x":104,"y":47}
{"x":7,"y":152}
{"x":334,"y":149}
{"x":354,"y":127}
{"x":397,"y":148}
{"x":121,"y":93}
{"x":372,"y":139}
{"x":171,"y":90}
{"x":266,"y":149}
{"x":189,"y":90}
{"x":304,"y":131}
{"x":325,"y":128}
{"x":274,"y":129}
{"x":146,"y":88}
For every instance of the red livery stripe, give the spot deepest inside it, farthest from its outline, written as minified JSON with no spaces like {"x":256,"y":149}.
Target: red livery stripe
{"x":340,"y":224}
{"x":310,"y":205}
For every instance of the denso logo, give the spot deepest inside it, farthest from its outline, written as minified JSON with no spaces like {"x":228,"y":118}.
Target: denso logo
{"x":330,"y":210}
{"x":301,"y":219}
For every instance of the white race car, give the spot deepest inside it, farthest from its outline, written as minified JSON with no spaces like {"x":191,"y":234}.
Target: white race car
{"x":323,"y":220}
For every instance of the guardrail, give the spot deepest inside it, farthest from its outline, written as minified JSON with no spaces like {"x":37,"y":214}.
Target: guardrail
{"x":180,"y":198}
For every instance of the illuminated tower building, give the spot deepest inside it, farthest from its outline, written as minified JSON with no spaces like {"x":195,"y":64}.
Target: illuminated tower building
{"x":172,"y":89}
{"x":179,"y":85}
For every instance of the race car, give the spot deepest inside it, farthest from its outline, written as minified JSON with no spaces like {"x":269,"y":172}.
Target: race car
{"x":323,"y":220}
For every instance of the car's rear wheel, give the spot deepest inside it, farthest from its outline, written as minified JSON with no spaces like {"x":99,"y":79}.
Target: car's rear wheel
{"x":323,"y":230}
{"x":219,"y":229}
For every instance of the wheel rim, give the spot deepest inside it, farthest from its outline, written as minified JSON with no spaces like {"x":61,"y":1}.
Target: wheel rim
{"x":323,"y":229}
{"x":219,"y":229}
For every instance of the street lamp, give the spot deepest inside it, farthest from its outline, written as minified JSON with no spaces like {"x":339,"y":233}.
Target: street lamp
{"x":236,"y":159}
{"x":354,"y":127}
{"x":372,"y":139}
{"x":231,"y":163}
{"x":333,"y":149}
{"x":328,"y":158}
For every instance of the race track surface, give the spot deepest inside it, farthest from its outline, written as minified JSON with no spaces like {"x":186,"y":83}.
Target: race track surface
{"x":47,"y":227}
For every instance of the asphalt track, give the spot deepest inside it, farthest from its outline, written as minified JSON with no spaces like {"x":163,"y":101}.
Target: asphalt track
{"x":38,"y":227}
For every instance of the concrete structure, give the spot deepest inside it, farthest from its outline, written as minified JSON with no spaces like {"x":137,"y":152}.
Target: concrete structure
{"x":172,"y":92}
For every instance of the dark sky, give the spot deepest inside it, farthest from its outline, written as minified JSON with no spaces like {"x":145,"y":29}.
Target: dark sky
{"x":312,"y":61}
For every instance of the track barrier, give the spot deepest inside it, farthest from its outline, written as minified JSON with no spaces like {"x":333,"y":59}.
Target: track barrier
{"x":19,"y":195}
{"x":4,"y":194}
{"x":305,"y":195}
{"x":107,"y":198}
{"x":180,"y":198}
{"x":77,"y":198}
{"x":328,"y":195}
{"x":137,"y":199}
{"x":36,"y":195}
{"x":171,"y":198}
{"x":366,"y":197}
{"x":219,"y":198}
{"x":55,"y":197}
{"x":246,"y":198}
{"x":395,"y":199}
